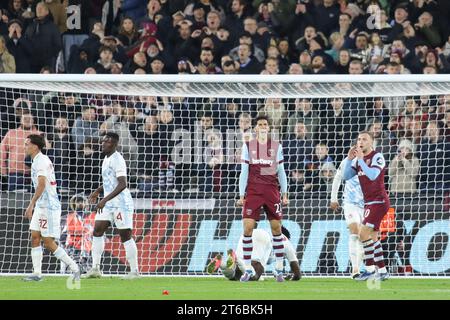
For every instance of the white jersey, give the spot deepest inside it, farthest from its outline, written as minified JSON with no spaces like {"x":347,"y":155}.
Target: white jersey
{"x":42,"y":166}
{"x":352,"y":189}
{"x":112,"y":168}
{"x":262,"y":248}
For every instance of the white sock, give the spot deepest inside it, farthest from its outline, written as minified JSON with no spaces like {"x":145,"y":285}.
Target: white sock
{"x":98,"y":246}
{"x":353,"y":249}
{"x":36,"y":258}
{"x":131,"y":254}
{"x":61,"y":254}
{"x":382,"y":270}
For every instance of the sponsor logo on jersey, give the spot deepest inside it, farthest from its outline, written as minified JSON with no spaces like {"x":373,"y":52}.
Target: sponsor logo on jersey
{"x":380,"y":161}
{"x":262,"y":161}
{"x":249,"y":212}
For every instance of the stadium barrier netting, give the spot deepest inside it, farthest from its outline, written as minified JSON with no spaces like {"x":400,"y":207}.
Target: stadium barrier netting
{"x":181,"y":137}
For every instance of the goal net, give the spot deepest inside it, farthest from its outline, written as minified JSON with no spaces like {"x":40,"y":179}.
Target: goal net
{"x":181,"y":137}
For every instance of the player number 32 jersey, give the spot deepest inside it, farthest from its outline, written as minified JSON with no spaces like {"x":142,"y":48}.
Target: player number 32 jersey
{"x":42,"y":166}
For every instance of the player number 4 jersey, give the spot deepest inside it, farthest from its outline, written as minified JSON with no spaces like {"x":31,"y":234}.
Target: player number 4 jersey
{"x":112,"y":168}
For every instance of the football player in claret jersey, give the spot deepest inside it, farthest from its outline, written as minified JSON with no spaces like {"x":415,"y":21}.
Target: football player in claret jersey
{"x":262,"y":176}
{"x":353,"y":207}
{"x":116,"y":207}
{"x":44,"y":210}
{"x":369,"y":166}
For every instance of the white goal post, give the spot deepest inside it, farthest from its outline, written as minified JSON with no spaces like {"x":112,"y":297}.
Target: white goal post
{"x":181,"y":137}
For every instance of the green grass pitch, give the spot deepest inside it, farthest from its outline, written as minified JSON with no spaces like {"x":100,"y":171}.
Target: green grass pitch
{"x":54,"y":288}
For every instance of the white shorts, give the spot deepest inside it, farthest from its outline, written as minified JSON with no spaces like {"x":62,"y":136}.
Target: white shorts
{"x":353,"y":214}
{"x":46,"y":221}
{"x":122,"y":220}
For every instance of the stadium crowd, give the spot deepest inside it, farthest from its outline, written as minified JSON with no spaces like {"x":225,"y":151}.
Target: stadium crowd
{"x":225,"y":36}
{"x":206,"y":36}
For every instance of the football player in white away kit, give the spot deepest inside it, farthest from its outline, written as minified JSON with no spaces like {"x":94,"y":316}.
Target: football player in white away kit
{"x":353,"y":205}
{"x":116,"y":207}
{"x":44,"y":211}
{"x":262,"y":255}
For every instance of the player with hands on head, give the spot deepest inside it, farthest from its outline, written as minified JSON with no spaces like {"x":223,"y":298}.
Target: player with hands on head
{"x":369,"y":165}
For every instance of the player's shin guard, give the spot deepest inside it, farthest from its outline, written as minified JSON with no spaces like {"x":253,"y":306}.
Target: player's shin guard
{"x":278,"y":250}
{"x":247,"y":248}
{"x":61,"y":254}
{"x":353,"y":249}
{"x":36,"y":258}
{"x":378,"y":257}
{"x":98,"y":246}
{"x":369,"y":255}
{"x":131,"y":254}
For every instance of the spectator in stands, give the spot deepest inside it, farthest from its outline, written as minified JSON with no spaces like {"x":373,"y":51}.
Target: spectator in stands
{"x":318,"y":65}
{"x":295,"y":68}
{"x":235,"y":20}
{"x":229,"y":67}
{"x":434,"y":155}
{"x":244,"y":126}
{"x":404,"y":169}
{"x":304,"y":112}
{"x":207,"y":65}
{"x":356,"y":67}
{"x":92,"y":44}
{"x":382,"y":141}
{"x":401,"y":15}
{"x":103,"y":64}
{"x":247,"y":63}
{"x":12,"y":153}
{"x":426,"y":30}
{"x":313,"y":165}
{"x":45,"y":39}
{"x":335,"y":128}
{"x":327,"y":172}
{"x":7,"y":61}
{"x":275,"y":109}
{"x":305,"y":61}
{"x":256,"y":51}
{"x":16,"y":9}
{"x":149,"y":152}
{"x":337,"y":42}
{"x":210,"y":178}
{"x":271,"y":66}
{"x":123,"y":121}
{"x":285,"y":56}
{"x":139,"y":62}
{"x":135,"y":9}
{"x":379,"y":111}
{"x":88,"y":165}
{"x":59,"y":13}
{"x":128,"y":34}
{"x":85,"y":126}
{"x":297,"y":147}
{"x":64,"y":152}
{"x":19,"y":46}
{"x":157,"y":65}
{"x":66,"y":106}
